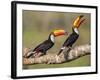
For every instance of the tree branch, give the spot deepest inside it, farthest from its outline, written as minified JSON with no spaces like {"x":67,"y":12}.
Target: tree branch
{"x":50,"y":58}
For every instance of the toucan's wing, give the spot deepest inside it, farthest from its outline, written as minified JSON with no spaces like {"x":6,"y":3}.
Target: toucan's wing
{"x":71,"y":40}
{"x":44,"y":46}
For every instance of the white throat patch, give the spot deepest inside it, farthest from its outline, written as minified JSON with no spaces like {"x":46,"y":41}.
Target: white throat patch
{"x":52,"y":38}
{"x":76,"y":30}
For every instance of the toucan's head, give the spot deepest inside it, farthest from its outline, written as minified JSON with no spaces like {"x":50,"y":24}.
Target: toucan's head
{"x":59,"y":32}
{"x":78,"y":21}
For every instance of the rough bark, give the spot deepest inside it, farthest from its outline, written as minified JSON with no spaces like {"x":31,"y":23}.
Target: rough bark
{"x":50,"y":58}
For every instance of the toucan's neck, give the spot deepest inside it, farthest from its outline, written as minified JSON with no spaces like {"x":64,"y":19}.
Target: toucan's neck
{"x":51,"y":37}
{"x":75,"y":30}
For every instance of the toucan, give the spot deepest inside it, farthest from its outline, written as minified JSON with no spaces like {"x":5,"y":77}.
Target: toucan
{"x":72,"y":38}
{"x":42,"y":48}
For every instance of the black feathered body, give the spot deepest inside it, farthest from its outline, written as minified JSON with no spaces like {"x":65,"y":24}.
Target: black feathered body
{"x":69,"y":41}
{"x":41,"y":48}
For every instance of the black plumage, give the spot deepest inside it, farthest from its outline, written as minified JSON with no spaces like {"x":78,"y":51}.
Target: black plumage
{"x":74,"y":36}
{"x":69,"y":41}
{"x":43,"y":47}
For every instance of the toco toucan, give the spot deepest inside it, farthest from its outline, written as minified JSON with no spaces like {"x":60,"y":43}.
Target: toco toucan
{"x":73,"y":36}
{"x":42,"y":48}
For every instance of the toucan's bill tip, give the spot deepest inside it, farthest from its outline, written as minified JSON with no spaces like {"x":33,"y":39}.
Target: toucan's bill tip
{"x":81,"y":16}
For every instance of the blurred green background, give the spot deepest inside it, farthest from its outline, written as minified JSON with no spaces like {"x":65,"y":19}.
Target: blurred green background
{"x":37,"y":26}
